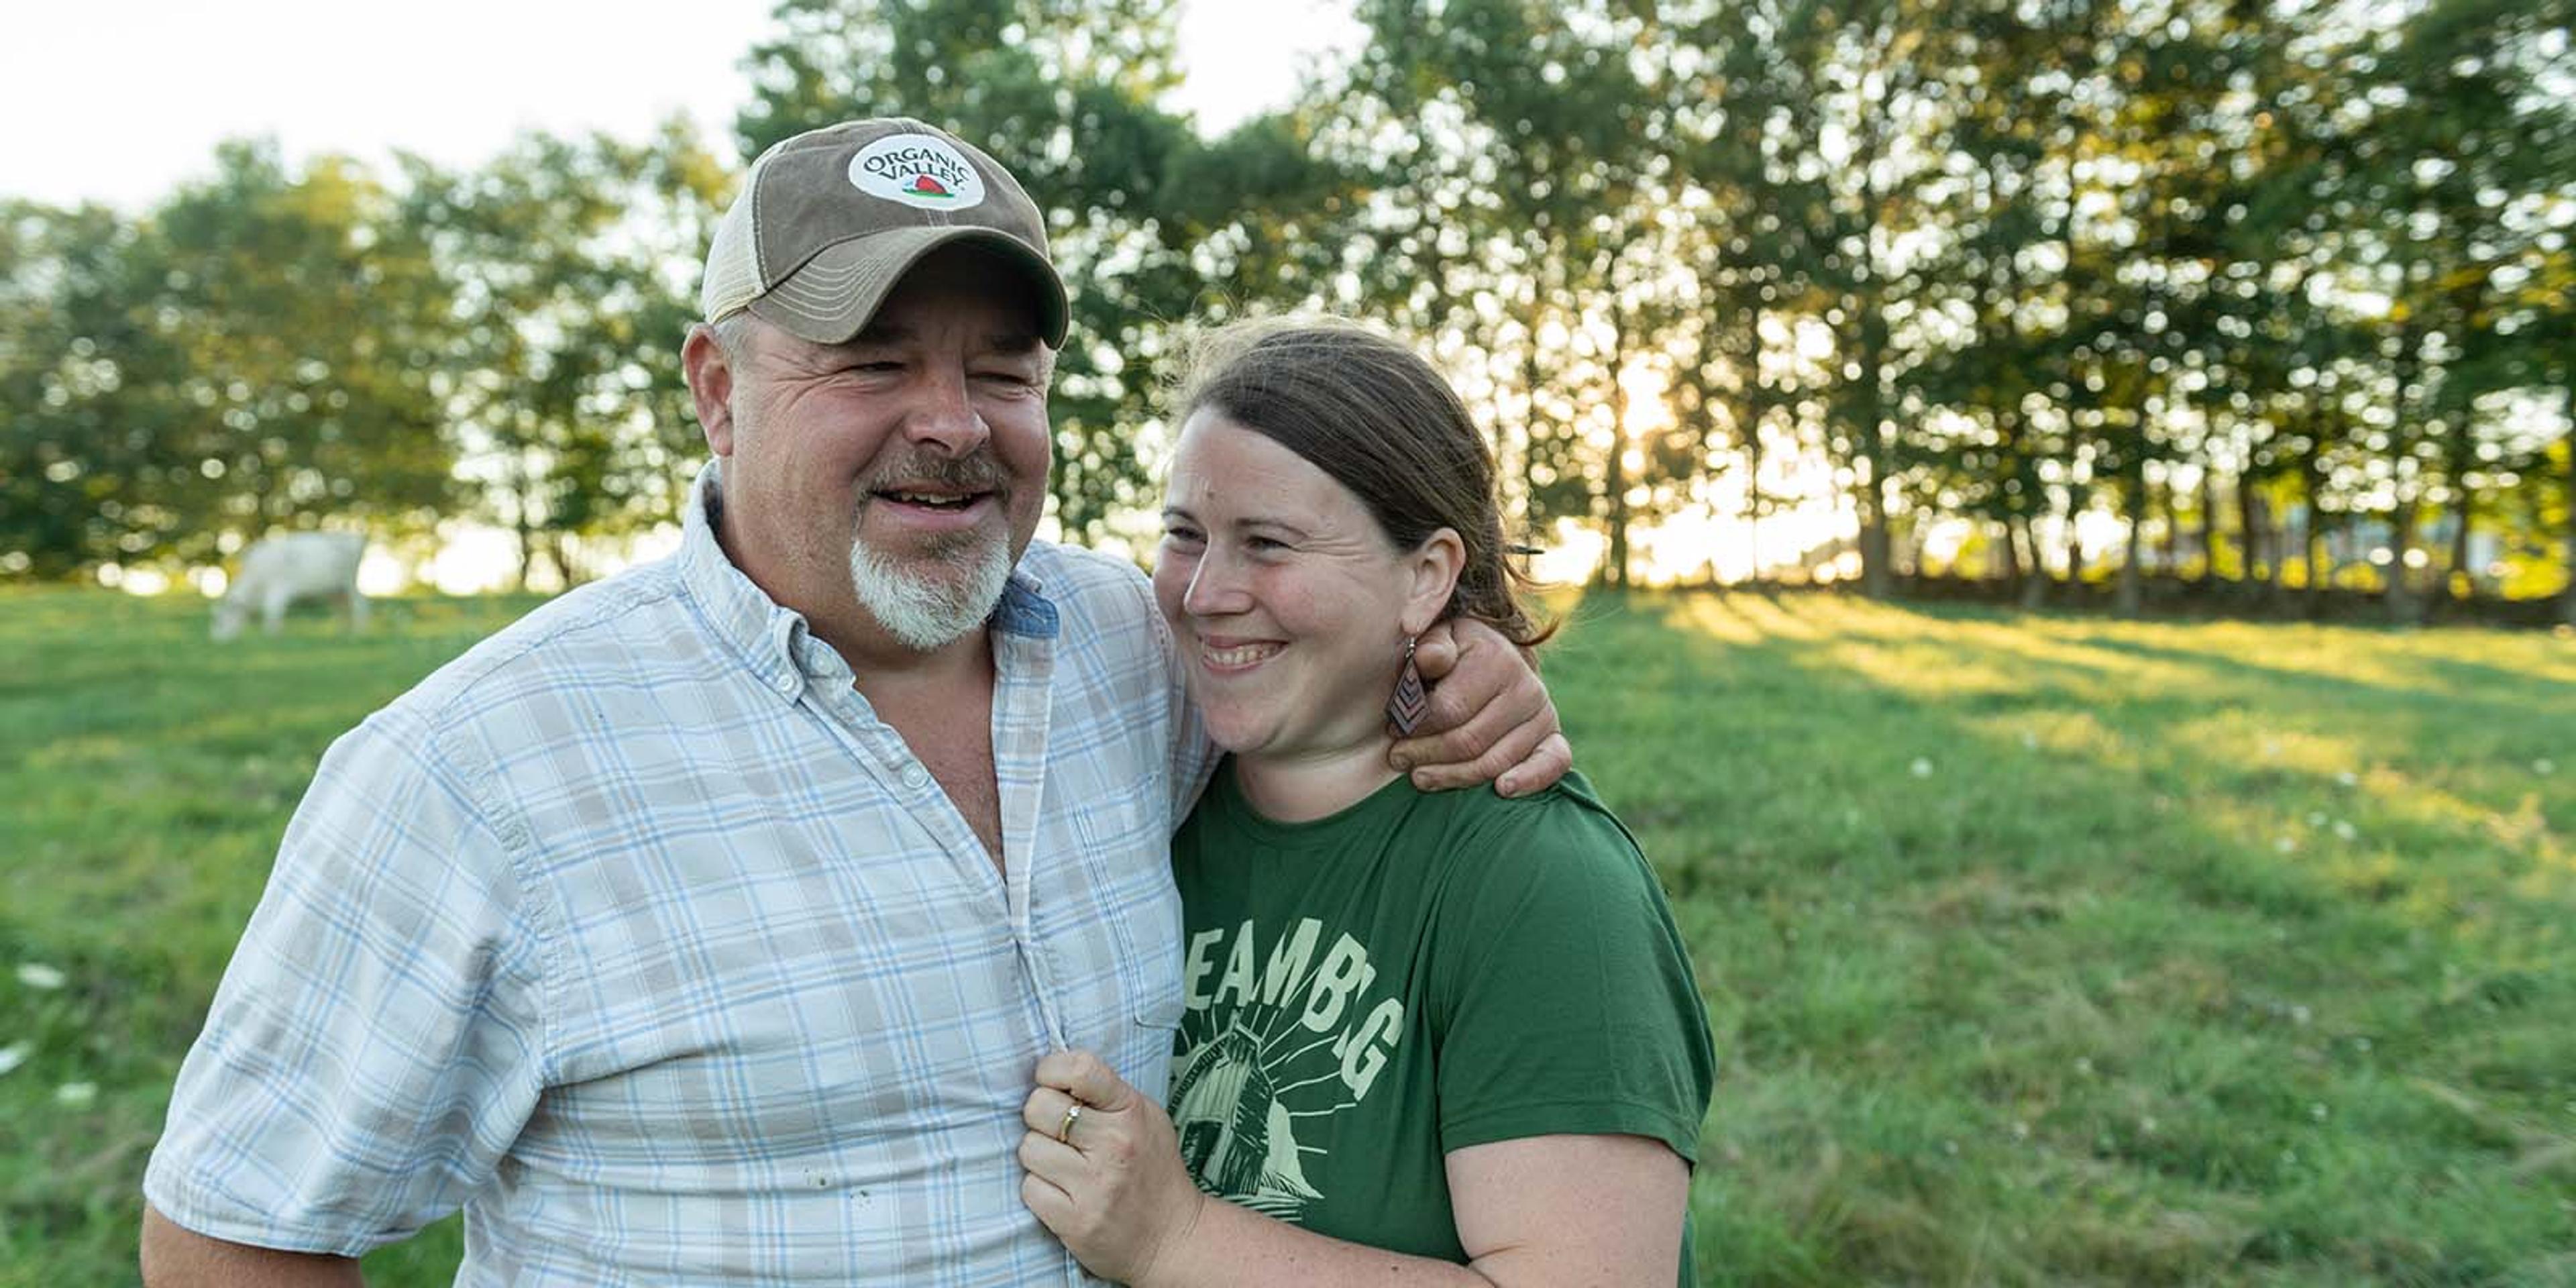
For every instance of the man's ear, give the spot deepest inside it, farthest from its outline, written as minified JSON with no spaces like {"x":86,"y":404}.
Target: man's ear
{"x":710,"y":376}
{"x":1434,"y":565}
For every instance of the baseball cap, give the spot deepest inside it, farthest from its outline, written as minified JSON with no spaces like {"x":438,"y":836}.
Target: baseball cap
{"x":829,"y":220}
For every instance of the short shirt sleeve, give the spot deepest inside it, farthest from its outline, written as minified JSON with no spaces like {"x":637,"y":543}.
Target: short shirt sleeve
{"x":1567,"y":1003}
{"x":375,"y":1045}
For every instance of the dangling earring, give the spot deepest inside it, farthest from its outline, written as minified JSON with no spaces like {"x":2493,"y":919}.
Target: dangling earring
{"x":1410,"y":703}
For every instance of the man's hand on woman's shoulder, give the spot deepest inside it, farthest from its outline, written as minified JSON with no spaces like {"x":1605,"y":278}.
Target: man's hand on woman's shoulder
{"x":1491,"y":720}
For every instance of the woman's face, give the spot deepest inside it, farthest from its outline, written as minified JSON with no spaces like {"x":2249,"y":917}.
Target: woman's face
{"x":1289,"y":605}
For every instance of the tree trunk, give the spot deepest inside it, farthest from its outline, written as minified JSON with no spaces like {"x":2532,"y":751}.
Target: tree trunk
{"x":2567,"y":596}
{"x":2209,"y":527}
{"x":2127,"y":595}
{"x":1757,"y":406}
{"x":2034,"y":585}
{"x":1616,"y":484}
{"x":569,"y":561}
{"x":2408,"y":477}
{"x":2461,"y":582}
{"x":2323,"y":538}
{"x":2074,"y":541}
{"x":2262,"y":556}
{"x":1876,"y":550}
{"x":2012,"y":467}
{"x":1868,"y":304}
{"x":2169,"y":554}
{"x":526,"y":532}
{"x":2403,"y":610}
{"x":2012,"y":458}
{"x":1530,"y":385}
{"x":264,"y":491}
{"x":2312,"y":548}
{"x":1753,"y":508}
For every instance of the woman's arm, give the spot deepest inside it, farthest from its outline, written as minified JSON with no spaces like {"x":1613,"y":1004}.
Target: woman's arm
{"x":1571,"y":1209}
{"x":1540,"y":1210}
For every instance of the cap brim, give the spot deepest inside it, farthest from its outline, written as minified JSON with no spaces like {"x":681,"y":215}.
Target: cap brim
{"x":836,"y":292}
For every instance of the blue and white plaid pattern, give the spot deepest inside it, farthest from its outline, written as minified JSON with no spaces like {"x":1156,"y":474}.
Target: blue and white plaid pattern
{"x":635,"y":933}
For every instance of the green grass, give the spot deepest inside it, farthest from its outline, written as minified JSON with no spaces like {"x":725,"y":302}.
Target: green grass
{"x":2039,"y":950}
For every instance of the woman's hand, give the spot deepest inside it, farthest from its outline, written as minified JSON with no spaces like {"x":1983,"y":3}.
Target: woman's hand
{"x":1113,"y":1187}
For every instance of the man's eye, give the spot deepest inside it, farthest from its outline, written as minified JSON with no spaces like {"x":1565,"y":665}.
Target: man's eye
{"x":1266,"y":545}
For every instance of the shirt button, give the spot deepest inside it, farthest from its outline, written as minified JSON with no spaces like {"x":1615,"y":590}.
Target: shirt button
{"x":915,"y":775}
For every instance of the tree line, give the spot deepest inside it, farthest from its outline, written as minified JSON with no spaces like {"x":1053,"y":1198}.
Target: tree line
{"x":2066,"y":297}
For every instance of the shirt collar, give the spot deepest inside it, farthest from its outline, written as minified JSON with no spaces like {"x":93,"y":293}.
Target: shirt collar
{"x":773,"y":638}
{"x":1025,"y":609}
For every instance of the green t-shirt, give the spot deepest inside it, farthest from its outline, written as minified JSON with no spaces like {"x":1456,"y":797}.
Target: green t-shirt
{"x":1417,"y":974}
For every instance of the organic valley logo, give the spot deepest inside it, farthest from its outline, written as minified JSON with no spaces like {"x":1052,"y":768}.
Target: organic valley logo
{"x":918,"y":170}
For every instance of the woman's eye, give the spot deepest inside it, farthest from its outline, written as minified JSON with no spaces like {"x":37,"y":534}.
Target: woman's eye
{"x":1266,"y":545}
{"x":1181,"y":536}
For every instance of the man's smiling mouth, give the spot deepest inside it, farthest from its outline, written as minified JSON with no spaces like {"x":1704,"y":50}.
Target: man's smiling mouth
{"x":933,"y":500}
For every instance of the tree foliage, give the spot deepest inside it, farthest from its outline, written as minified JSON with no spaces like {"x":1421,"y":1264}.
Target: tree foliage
{"x":2270,"y":297}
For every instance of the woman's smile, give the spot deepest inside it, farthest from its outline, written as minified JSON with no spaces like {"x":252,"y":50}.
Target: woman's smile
{"x":1226,"y":655}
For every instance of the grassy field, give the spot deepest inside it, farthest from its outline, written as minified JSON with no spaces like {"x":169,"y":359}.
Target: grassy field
{"x":2039,"y":950}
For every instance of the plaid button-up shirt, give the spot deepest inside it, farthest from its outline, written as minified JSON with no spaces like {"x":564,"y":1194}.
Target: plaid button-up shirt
{"x":636,"y":934}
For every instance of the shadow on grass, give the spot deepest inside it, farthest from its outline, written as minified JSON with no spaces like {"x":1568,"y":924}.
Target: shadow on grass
{"x":2011,"y":992}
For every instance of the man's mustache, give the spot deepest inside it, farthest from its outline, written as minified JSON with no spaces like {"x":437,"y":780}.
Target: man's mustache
{"x":978,"y":472}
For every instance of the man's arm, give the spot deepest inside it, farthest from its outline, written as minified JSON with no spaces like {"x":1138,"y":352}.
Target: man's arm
{"x":177,"y":1257}
{"x":1491,"y":720}
{"x":378,"y":1041}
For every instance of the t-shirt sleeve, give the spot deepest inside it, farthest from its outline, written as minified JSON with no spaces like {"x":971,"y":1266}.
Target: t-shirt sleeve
{"x":375,"y":1045}
{"x":1567,"y":1003}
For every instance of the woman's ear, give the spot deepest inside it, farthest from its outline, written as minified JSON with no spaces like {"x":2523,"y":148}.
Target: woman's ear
{"x":1434,"y":566}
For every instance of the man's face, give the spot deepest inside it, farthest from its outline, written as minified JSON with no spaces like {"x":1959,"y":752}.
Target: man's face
{"x":901,"y":472}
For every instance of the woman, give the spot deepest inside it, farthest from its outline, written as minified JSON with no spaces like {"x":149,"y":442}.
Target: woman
{"x":1452,"y":1027}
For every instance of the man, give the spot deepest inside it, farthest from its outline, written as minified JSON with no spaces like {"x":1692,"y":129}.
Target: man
{"x":706,"y":925}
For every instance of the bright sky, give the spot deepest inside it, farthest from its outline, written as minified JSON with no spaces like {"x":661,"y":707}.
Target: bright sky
{"x":119,"y":100}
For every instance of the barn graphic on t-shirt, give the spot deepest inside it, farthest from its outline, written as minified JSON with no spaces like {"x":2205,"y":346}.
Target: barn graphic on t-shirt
{"x":1238,"y":1139}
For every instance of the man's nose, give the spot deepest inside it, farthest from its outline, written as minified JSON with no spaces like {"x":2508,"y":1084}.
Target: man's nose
{"x":944,"y":416}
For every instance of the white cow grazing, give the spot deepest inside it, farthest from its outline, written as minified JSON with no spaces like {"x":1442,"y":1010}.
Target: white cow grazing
{"x":279,"y":570}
